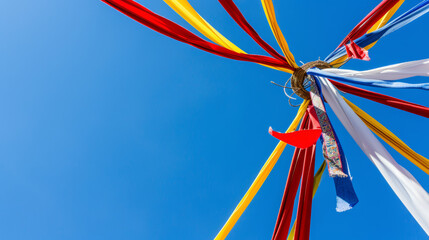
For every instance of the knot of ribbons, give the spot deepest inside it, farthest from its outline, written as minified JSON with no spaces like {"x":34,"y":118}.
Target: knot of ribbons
{"x":299,"y":77}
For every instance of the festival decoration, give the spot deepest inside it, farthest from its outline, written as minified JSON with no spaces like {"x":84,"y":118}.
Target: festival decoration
{"x":318,"y":83}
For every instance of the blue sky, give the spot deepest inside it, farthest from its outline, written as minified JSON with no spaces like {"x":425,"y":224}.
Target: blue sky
{"x":112,"y":131}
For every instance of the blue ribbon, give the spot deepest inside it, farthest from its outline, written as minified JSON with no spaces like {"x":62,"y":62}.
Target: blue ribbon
{"x":409,"y":16}
{"x":367,"y":82}
{"x":346,"y":195}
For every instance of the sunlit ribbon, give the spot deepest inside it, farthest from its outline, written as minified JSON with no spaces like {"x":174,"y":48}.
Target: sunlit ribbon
{"x":260,"y":179}
{"x":189,"y":14}
{"x":271,"y":17}
{"x":317,"y":178}
{"x":340,"y":61}
{"x":391,"y":139}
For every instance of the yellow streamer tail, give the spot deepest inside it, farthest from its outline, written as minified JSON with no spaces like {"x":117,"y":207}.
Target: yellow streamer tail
{"x":189,"y":14}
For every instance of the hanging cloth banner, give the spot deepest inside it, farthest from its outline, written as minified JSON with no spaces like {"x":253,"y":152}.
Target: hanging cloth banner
{"x":175,"y":31}
{"x":368,"y":82}
{"x":391,"y":72}
{"x":346,"y":196}
{"x":369,"y":38}
{"x":188,"y":13}
{"x":384,"y":99}
{"x":406,"y":187}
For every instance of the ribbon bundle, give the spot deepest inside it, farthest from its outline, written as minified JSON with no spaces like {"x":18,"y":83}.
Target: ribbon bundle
{"x":324,"y":84}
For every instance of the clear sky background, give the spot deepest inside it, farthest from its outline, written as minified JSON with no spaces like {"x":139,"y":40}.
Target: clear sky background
{"x":112,"y":131}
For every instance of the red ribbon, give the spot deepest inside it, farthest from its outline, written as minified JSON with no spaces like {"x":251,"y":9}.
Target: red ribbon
{"x":286,"y":208}
{"x":238,"y":17}
{"x":365,"y":24}
{"x":175,"y":31}
{"x":302,"y":138}
{"x":354,"y":51}
{"x":302,"y":166}
{"x":384,"y":99}
{"x":303,"y":215}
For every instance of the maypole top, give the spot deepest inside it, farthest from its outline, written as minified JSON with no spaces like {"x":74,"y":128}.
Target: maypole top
{"x":300,"y":74}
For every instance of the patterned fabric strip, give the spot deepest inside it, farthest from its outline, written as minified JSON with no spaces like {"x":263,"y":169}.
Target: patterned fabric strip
{"x":330,"y":146}
{"x":346,"y":195}
{"x":406,"y":187}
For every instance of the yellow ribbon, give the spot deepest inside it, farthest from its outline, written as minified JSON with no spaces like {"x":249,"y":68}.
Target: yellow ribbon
{"x":391,"y":139}
{"x":380,"y":23}
{"x":260,"y":179}
{"x":383,"y":21}
{"x":272,"y":21}
{"x":188,"y":13}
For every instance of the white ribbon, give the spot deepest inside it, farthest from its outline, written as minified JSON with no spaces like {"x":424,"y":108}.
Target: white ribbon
{"x":391,"y":72}
{"x":406,"y":187}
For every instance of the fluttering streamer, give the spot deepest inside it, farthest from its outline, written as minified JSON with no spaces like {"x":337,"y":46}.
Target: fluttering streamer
{"x":391,"y":72}
{"x":369,"y":38}
{"x":406,"y":187}
{"x":384,"y":99}
{"x":322,"y":78}
{"x":346,"y":195}
{"x":171,"y":29}
{"x":368,"y":82}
